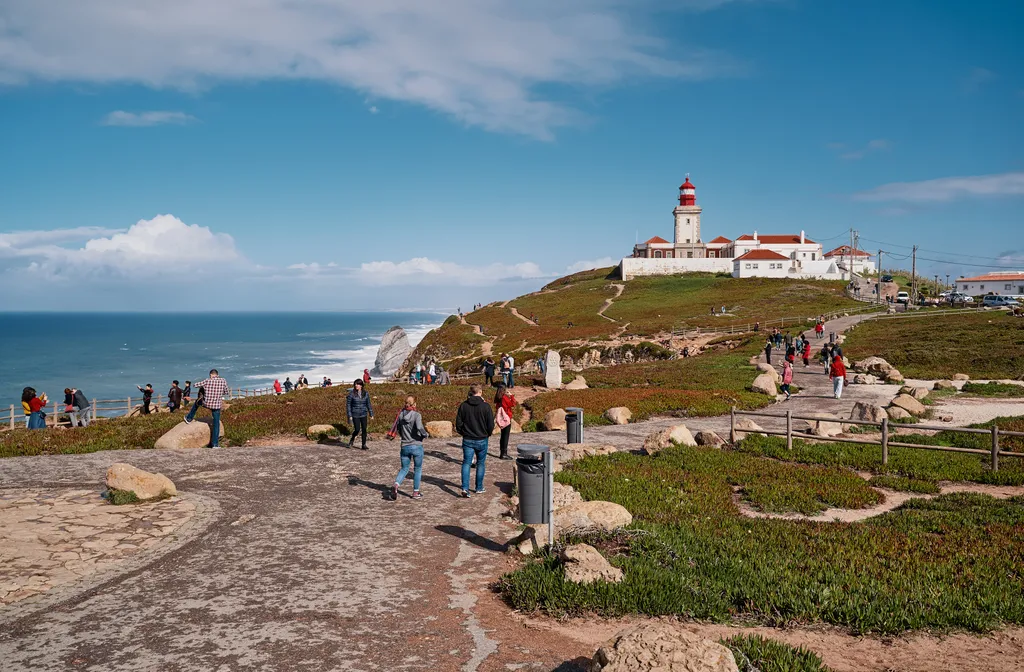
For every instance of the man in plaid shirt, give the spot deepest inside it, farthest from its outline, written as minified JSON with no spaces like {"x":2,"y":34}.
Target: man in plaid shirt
{"x":214,"y":389}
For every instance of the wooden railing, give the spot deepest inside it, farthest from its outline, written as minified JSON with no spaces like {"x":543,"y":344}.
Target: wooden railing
{"x":994,"y":453}
{"x":781,"y":322}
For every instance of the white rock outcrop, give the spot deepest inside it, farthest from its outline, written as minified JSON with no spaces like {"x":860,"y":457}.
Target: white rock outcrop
{"x":145,"y":485}
{"x":620,"y":415}
{"x":192,"y":435}
{"x":393,"y":351}
{"x":662,"y":647}
{"x":764,"y":384}
{"x":666,"y":438}
{"x":584,"y":564}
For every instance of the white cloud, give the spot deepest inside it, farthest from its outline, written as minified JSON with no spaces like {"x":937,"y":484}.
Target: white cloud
{"x":373,"y":109}
{"x":16,"y":242}
{"x":603,"y":262}
{"x":947,"y":189}
{"x":480,"y":61}
{"x":424,"y":271}
{"x":851,"y":154}
{"x":154,"y":118}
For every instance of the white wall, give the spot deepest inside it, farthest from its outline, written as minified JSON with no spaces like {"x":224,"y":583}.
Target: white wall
{"x":991,"y":287}
{"x":634,"y":267}
{"x":762,"y":268}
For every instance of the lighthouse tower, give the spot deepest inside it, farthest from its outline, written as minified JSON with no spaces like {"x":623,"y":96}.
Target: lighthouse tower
{"x":688,"y":243}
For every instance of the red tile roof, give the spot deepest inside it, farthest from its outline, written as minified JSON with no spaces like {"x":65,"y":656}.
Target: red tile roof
{"x":656,"y":239}
{"x":844,"y":251}
{"x":1012,"y":276}
{"x":787,"y":239}
{"x":720,"y":239}
{"x":762,"y":255}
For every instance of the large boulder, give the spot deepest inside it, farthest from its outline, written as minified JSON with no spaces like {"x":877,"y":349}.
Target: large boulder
{"x":897,"y":414}
{"x":318,"y":432}
{"x":121,"y":476}
{"x":909,"y":404}
{"x":666,"y":438}
{"x":662,"y":647}
{"x":765,"y":367}
{"x":746,"y":426}
{"x":552,"y":370}
{"x":578,"y":383}
{"x":864,"y":411}
{"x":554,"y":420}
{"x":708,"y":438}
{"x":764,"y":384}
{"x":961,"y":376}
{"x":943,"y":385}
{"x":894,"y":377}
{"x":620,"y":415}
{"x":188,"y":435}
{"x":564,"y":495}
{"x":393,"y":351}
{"x":918,"y":393}
{"x":440,"y":429}
{"x":826,"y":426}
{"x":584,"y":564}
{"x":875,"y":365}
{"x":603,"y":516}
{"x":865,"y":379}
{"x":575,"y":451}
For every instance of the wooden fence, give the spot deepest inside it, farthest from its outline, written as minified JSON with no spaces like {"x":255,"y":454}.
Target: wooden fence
{"x":994,"y":453}
{"x":781,"y":322}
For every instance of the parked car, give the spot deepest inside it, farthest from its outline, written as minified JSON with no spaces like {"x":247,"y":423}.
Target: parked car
{"x":903,"y":297}
{"x":994,"y":300}
{"x":886,"y":278}
{"x":960,"y":298}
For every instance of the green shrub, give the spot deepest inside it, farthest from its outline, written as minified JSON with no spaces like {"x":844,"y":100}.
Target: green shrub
{"x":904,"y":484}
{"x":121,"y":497}
{"x":754,"y":653}
{"x":993,"y":389}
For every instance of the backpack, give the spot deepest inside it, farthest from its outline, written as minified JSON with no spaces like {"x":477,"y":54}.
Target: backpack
{"x":502,"y":418}
{"x":393,"y":432}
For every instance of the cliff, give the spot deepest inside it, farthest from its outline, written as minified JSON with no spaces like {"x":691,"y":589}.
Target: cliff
{"x":394,"y":350}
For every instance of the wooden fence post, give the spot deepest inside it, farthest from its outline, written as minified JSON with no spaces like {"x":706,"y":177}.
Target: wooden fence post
{"x":885,"y":440}
{"x":94,"y":410}
{"x":12,"y":416}
{"x":789,"y":429}
{"x":129,"y":411}
{"x":995,"y":448}
{"x":55,"y":411}
{"x":732,"y":425}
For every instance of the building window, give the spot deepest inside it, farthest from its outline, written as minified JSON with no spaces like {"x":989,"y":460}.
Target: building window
{"x":689,"y":255}
{"x":792,"y":255}
{"x":755,"y":265}
{"x":982,"y":287}
{"x":1008,"y":287}
{"x":747,"y":266}
{"x":812,"y":256}
{"x":687,"y":220}
{"x":687,"y":240}
{"x":714,"y":254}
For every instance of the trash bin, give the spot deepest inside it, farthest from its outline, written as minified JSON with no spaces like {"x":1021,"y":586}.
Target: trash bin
{"x":574,"y":425}
{"x":533,"y":484}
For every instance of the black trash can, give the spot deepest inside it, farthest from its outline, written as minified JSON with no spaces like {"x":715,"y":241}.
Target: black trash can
{"x":533,"y":484}
{"x":574,"y":425}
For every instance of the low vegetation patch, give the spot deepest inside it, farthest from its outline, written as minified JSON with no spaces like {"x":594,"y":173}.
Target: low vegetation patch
{"x":904,"y":484}
{"x":993,"y":389}
{"x":988,"y":344}
{"x":952,"y":562}
{"x":754,"y":653}
{"x":121,"y":497}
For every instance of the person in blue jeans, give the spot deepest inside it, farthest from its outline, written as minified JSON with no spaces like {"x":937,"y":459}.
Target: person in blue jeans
{"x":211,"y":395}
{"x":474,"y":422}
{"x":412,"y":432}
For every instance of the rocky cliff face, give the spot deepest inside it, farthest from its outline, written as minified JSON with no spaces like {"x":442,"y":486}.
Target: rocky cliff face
{"x":394,"y":350}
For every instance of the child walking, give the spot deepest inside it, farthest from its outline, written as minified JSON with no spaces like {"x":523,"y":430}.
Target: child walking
{"x":412,"y":432}
{"x":787,"y":377}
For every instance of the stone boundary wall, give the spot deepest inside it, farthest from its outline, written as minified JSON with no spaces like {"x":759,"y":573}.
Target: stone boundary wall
{"x":631,"y":267}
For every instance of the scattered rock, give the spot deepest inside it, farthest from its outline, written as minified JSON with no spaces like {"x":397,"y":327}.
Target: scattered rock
{"x":961,"y":376}
{"x":909,"y":404}
{"x":440,"y":429}
{"x":746,"y":426}
{"x":943,"y":385}
{"x":554,"y":420}
{"x":393,"y":351}
{"x":583,"y":564}
{"x":121,"y":476}
{"x":578,"y":383}
{"x":620,"y":415}
{"x":708,"y":438}
{"x":662,"y":647}
{"x":867,"y":412}
{"x":192,"y":435}
{"x":564,"y":495}
{"x":552,"y":370}
{"x":918,"y":393}
{"x":894,"y":377}
{"x":828,"y":426}
{"x":604,"y":516}
{"x":317,"y":432}
{"x":765,"y":367}
{"x":865,"y":379}
{"x":875,"y":365}
{"x":574,"y":451}
{"x":896,"y":413}
{"x":666,"y":438}
{"x":764,"y":384}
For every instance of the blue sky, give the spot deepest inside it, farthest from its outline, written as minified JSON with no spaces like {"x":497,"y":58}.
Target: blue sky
{"x":336,"y":154}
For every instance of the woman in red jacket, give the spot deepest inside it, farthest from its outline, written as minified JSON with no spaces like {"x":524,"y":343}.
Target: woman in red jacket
{"x":838,"y":374}
{"x":504,"y":401}
{"x":807,"y":353}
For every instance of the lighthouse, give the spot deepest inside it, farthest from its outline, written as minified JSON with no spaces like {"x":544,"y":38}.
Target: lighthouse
{"x":687,"y":242}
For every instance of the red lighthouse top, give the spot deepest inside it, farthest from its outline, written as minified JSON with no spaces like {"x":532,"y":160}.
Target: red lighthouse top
{"x":687,"y":192}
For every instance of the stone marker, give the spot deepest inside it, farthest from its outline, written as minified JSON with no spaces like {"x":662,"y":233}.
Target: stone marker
{"x":584,"y":564}
{"x":121,"y":476}
{"x":909,"y":404}
{"x":192,"y":435}
{"x":552,"y":370}
{"x":439,"y":429}
{"x":764,"y":384}
{"x":666,"y":438}
{"x":662,"y":647}
{"x":620,"y":415}
{"x":555,"y":420}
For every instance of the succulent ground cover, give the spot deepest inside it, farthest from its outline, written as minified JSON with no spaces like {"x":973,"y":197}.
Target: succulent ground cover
{"x":952,"y":562}
{"x":988,"y":344}
{"x":754,"y":653}
{"x":993,"y":389}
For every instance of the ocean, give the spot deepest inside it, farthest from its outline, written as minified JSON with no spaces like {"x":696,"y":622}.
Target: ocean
{"x":107,"y":354}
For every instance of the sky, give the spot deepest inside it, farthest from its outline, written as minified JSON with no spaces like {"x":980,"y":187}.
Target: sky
{"x":347,"y":155}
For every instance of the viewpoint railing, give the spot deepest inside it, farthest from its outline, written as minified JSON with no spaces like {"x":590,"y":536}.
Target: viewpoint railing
{"x":781,"y":322}
{"x":994,"y":453}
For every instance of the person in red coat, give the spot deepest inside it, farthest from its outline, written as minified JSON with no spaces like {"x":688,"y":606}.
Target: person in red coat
{"x":504,"y":401}
{"x":807,"y":353}
{"x":838,"y":374}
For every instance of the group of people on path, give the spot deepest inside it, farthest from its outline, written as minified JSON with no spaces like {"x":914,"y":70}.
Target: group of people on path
{"x":831,"y":356}
{"x":507,"y":370}
{"x":429,"y":372}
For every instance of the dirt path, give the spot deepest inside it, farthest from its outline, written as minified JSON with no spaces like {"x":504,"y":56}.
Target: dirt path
{"x":477,"y":329}
{"x":522,"y":317}
{"x":608,"y":302}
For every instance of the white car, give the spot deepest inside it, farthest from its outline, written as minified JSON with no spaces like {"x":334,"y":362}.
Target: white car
{"x":902,"y":297}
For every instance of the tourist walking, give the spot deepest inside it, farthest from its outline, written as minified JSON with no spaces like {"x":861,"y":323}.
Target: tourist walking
{"x":288,"y":385}
{"x":174,"y":397}
{"x":504,"y":402}
{"x":807,"y":353}
{"x":489,"y":372}
{"x":511,"y":372}
{"x":411,"y":431}
{"x":79,"y":408}
{"x":825,"y":355}
{"x":211,"y":395}
{"x":277,"y":386}
{"x":838,"y":374}
{"x":366,"y":376}
{"x":33,"y":406}
{"x":432,"y":373}
{"x":787,"y":377}
{"x":474,"y":422}
{"x":768,"y":351}
{"x":359,"y":409}
{"x":504,"y":369}
{"x":819,"y":329}
{"x":147,"y":397}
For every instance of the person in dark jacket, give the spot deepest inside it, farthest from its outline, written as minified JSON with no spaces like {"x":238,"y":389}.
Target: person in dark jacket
{"x":174,"y":397}
{"x":768,"y":351}
{"x":186,"y":394}
{"x":359,"y":410}
{"x":147,"y":397}
{"x":474,"y":423}
{"x":80,"y":404}
{"x":489,"y":372}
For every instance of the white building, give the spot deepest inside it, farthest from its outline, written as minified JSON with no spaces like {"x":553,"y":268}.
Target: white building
{"x":1008,"y":283}
{"x":783,"y":256}
{"x":861,"y":261}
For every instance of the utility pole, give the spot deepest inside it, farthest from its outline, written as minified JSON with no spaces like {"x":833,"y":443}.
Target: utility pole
{"x":851,"y":253}
{"x":936,"y":292}
{"x":878,"y":285}
{"x":947,"y":281}
{"x":913,"y":277}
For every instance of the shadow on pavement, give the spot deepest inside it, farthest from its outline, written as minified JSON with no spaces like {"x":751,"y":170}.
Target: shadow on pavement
{"x":446,"y":485}
{"x":472,"y":537}
{"x":384,"y":490}
{"x":441,"y":455}
{"x":580,"y":664}
{"x":506,"y":487}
